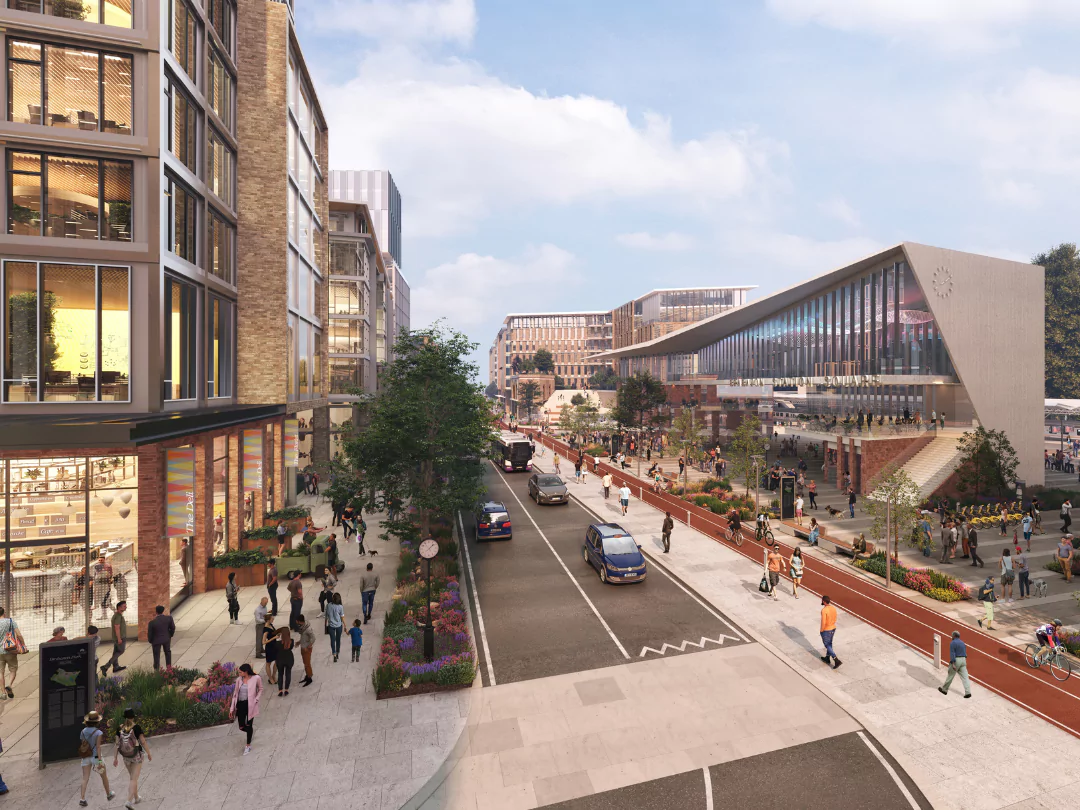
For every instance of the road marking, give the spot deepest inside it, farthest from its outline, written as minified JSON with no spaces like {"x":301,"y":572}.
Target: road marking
{"x":885,"y":763}
{"x":476,"y":603}
{"x":577,"y":584}
{"x":708,"y":788}
{"x":719,"y":641}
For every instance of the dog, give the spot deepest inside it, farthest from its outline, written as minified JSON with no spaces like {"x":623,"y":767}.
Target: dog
{"x":1038,"y":587}
{"x":372,"y":552}
{"x":836,"y":513}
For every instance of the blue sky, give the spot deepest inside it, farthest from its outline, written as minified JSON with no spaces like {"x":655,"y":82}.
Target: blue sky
{"x":562,"y":155}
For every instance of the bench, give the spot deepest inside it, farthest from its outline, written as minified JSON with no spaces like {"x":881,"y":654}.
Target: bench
{"x":840,"y":544}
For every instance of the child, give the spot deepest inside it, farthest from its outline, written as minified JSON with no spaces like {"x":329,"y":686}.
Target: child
{"x":357,"y":636}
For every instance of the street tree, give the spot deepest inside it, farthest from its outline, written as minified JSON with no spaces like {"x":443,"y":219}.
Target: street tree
{"x":530,"y":390}
{"x":637,"y":401}
{"x":1062,"y":353}
{"x":686,"y":433}
{"x":427,"y":432}
{"x":604,"y":380}
{"x":578,"y":399}
{"x":544,"y":361}
{"x":893,"y":503}
{"x":746,"y":442}
{"x":988,"y":462}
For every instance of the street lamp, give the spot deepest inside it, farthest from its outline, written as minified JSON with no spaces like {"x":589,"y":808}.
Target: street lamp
{"x":758,"y":461}
{"x":691,"y":404}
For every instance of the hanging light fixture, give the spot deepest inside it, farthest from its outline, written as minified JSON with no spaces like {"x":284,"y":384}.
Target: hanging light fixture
{"x":67,"y":508}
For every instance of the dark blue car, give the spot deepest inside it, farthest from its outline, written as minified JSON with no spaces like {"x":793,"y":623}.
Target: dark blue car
{"x":612,"y":551}
{"x":493,"y":522}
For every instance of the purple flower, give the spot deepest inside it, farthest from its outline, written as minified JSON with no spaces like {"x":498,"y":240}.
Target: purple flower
{"x":407,"y":643}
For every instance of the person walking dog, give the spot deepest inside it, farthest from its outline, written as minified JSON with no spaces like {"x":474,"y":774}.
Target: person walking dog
{"x":828,"y":632}
{"x":957,"y":665}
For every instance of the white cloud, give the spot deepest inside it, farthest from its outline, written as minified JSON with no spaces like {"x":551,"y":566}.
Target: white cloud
{"x":468,"y":290}
{"x":774,"y":259}
{"x":959,"y":25}
{"x":644,"y":240}
{"x":400,"y":20}
{"x":463,"y":144}
{"x":839,"y":209}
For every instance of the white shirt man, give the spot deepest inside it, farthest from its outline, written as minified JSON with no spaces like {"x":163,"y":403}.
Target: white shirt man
{"x":624,"y":497}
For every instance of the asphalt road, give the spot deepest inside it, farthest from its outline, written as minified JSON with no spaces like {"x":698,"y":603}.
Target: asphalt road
{"x":546,"y":612}
{"x":838,"y":773}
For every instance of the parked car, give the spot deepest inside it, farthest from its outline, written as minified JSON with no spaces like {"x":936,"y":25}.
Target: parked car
{"x":614,"y":553}
{"x":493,"y":522}
{"x":548,"y":488}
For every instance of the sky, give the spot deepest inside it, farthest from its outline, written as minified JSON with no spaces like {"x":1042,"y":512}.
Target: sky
{"x":565,"y":155}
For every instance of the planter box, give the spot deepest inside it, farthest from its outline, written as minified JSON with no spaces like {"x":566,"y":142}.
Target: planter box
{"x":269,"y":547}
{"x":248,"y":576}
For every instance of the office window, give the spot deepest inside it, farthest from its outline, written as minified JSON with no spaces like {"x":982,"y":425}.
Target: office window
{"x":220,"y":167}
{"x":316,"y":361}
{"x":303,"y":364}
{"x":346,"y":336}
{"x":67,"y":326}
{"x":183,"y":126}
{"x":294,"y":282}
{"x":184,"y":34}
{"x":181,"y":318}
{"x":345,"y":298}
{"x":345,"y":374}
{"x":69,"y":197}
{"x":107,"y":12}
{"x":221,"y":14}
{"x":220,"y":89}
{"x":290,"y":358}
{"x":220,"y":349}
{"x":222,"y":243}
{"x":182,"y":219}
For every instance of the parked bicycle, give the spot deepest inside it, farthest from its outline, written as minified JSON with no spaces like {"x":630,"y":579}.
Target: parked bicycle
{"x":1060,"y":665}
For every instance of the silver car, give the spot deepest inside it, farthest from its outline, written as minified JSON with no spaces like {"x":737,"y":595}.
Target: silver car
{"x":548,"y":488}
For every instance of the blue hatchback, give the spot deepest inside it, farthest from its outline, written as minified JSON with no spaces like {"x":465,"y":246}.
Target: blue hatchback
{"x":493,"y":522}
{"x":612,"y":551}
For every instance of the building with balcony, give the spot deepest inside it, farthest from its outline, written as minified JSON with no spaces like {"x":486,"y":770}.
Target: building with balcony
{"x":161,"y":313}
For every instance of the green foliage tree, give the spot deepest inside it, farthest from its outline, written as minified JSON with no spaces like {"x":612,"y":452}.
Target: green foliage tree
{"x":604,"y":380}
{"x":491,"y":390}
{"x":527,"y":365}
{"x":686,"y":433}
{"x":637,"y":401}
{"x":1062,"y":321}
{"x":559,"y":382}
{"x":428,"y":430}
{"x":528,"y":393}
{"x":578,"y":399}
{"x":746,"y":442}
{"x":543,"y":361}
{"x":987,"y":462}
{"x":894,"y":495}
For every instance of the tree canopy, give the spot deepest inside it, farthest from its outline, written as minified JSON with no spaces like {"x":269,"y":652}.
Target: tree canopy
{"x":988,"y":462}
{"x":637,"y":400}
{"x":894,"y":495}
{"x":1062,"y":321}
{"x":427,"y":431}
{"x":543,"y":361}
{"x":528,"y":394}
{"x":746,"y":442}
{"x":604,"y":380}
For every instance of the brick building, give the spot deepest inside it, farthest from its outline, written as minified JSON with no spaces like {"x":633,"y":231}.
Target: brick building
{"x":163,"y":298}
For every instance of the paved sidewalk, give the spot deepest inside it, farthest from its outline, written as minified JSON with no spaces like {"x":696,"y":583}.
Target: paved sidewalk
{"x":330,"y":745}
{"x":984,"y":753}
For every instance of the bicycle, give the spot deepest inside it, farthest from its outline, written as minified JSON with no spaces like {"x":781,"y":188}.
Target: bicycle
{"x":732,"y":536}
{"x":1060,"y":665}
{"x":768,"y":536}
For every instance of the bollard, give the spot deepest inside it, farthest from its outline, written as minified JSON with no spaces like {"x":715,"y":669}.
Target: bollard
{"x":688,"y":518}
{"x":937,"y":651}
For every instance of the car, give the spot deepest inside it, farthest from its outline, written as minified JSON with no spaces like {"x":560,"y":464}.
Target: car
{"x":614,"y":553}
{"x":548,"y":488}
{"x":493,"y":522}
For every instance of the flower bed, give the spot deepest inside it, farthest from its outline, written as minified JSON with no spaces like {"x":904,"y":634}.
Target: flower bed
{"x":402,"y":668}
{"x":926,"y":581}
{"x":171,"y":699}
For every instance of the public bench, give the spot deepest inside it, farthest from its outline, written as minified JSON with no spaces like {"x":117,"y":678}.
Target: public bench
{"x":839,"y":543}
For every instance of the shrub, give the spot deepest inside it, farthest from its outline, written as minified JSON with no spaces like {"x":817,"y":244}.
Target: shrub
{"x":288,"y":513}
{"x":463,"y":673}
{"x":396,"y":612}
{"x":239,"y":559}
{"x":399,"y":631}
{"x":452,"y":549}
{"x":262,"y":533}
{"x":198,"y":714}
{"x":181,"y":675}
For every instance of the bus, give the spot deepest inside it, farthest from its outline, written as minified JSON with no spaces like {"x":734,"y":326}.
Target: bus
{"x":512,"y":451}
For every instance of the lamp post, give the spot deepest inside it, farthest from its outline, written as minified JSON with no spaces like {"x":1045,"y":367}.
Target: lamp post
{"x":691,"y":404}
{"x":758,"y":460}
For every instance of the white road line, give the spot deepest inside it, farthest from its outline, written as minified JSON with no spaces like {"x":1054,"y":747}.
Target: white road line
{"x":476,"y":603}
{"x":577,"y":584}
{"x":708,"y":788}
{"x":885,"y":763}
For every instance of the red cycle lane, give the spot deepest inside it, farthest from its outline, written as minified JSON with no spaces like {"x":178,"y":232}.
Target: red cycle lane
{"x":991,"y":662}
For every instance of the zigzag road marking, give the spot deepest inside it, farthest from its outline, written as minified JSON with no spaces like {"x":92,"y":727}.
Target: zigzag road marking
{"x":682,"y":647}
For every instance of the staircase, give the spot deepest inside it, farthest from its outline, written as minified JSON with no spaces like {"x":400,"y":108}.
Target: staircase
{"x":934,"y":463}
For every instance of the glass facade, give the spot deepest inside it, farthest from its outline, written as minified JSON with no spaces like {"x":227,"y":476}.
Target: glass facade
{"x":107,"y":12}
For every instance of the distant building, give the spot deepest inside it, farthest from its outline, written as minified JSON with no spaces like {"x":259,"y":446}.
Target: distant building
{"x":661,"y":312}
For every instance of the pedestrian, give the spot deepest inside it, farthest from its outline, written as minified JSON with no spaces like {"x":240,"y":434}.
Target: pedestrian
{"x":11,"y":638}
{"x":811,"y":490}
{"x":90,"y":739}
{"x":585,"y":471}
{"x":159,"y":632}
{"x":361,"y":532}
{"x":1026,"y":524}
{"x":1066,"y":515}
{"x":1007,"y":575}
{"x":973,"y":546}
{"x":329,"y":581}
{"x":245,"y":702}
{"x":282,"y":537}
{"x":828,"y":631}
{"x":774,"y":562}
{"x":665,"y":531}
{"x":356,"y":635}
{"x":296,"y":599}
{"x":369,"y":583}
{"x":795,"y":565}
{"x":131,"y":745}
{"x":624,"y":497}
{"x":1065,"y":556}
{"x":957,"y":665}
{"x":851,"y":500}
{"x":345,"y":517}
{"x":577,"y":470}
{"x":219,"y":531}
{"x":286,"y":659}
{"x":557,"y":471}
{"x":798,"y":510}
{"x":271,"y":642}
{"x":815,"y":532}
{"x":307,"y":642}
{"x":1023,"y":574}
{"x":606,"y":483}
{"x":95,"y":642}
{"x":260,"y":626}
{"x":987,"y":597}
{"x":185,"y":563}
{"x":232,"y":594}
{"x":1003,"y":521}
{"x":119,"y":628}
{"x":58,"y":635}
{"x":332,"y":552}
{"x":335,"y":624}
{"x":946,"y":536}
{"x":965,"y":545}
{"x":271,"y":586}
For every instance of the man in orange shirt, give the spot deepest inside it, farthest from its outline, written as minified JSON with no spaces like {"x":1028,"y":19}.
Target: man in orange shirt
{"x":828,"y":630}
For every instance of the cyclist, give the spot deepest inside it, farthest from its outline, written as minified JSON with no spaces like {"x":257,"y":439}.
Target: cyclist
{"x":762,"y":525}
{"x":1047,"y":635}
{"x":734,"y":524}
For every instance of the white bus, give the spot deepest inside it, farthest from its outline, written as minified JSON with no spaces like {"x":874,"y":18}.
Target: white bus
{"x":512,"y":451}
